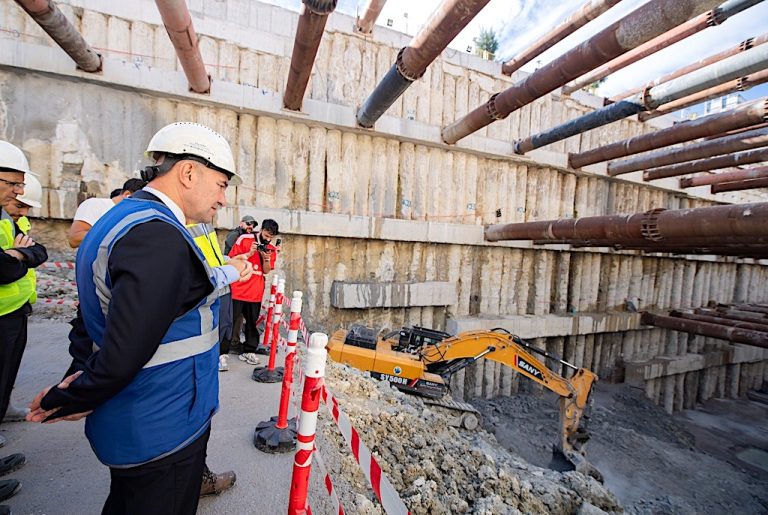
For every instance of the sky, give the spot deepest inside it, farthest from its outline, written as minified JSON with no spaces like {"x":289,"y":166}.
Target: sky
{"x":520,"y":22}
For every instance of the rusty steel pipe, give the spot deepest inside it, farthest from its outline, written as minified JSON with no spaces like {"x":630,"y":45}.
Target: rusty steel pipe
{"x":744,"y":45}
{"x":731,"y":334}
{"x":644,"y":23}
{"x":703,"y":21}
{"x":702,"y":165}
{"x":735,"y":131}
{"x":743,"y":250}
{"x":717,"y":178}
{"x":748,"y":184}
{"x":747,"y":220}
{"x":729,"y":69}
{"x":55,"y":24}
{"x":309,"y":33}
{"x":181,"y":31}
{"x":746,"y":140}
{"x":760,"y":318}
{"x":731,"y":315}
{"x":586,"y":13}
{"x":450,"y":18}
{"x":751,"y":307}
{"x":740,"y":84}
{"x":364,"y":24}
{"x":745,"y":115}
{"x":720,"y":320}
{"x":719,"y":240}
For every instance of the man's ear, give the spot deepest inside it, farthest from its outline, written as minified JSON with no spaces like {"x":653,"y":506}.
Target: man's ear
{"x":186,"y":173}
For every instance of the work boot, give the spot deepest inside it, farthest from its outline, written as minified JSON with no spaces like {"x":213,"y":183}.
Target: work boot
{"x":214,"y":484}
{"x":11,"y":463}
{"x":9,"y":488}
{"x":15,"y":414}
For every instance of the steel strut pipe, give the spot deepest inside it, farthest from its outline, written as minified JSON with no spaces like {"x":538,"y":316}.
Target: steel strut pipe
{"x":309,"y":33}
{"x":722,"y":332}
{"x":644,"y":23}
{"x":657,"y":225}
{"x":450,"y":18}
{"x":748,"y":184}
{"x":725,"y":145}
{"x":181,"y":31}
{"x":751,"y":307}
{"x":745,"y":115}
{"x":364,"y":24}
{"x":732,"y":315}
{"x":734,"y":311}
{"x":705,"y":20}
{"x":740,"y":84}
{"x":726,"y":70}
{"x":712,"y":319}
{"x":586,"y":13}
{"x":56,"y":25}
{"x":744,"y":45}
{"x":702,"y":165}
{"x":717,"y":178}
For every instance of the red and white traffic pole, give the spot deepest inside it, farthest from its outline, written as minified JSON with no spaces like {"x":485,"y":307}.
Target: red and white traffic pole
{"x":278,"y":434}
{"x":314,"y":371}
{"x":271,"y":374}
{"x":264,"y":349}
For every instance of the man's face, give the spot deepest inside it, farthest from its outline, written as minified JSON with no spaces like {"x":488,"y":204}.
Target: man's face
{"x":11,"y":186}
{"x":206,"y":195}
{"x":16,"y":209}
{"x":266,"y":235}
{"x":248,"y":227}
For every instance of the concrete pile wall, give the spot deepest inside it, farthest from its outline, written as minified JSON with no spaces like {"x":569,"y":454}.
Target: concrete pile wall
{"x":390,"y":205}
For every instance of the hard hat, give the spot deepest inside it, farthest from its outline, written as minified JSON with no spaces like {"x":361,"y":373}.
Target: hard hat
{"x":196,"y":140}
{"x":33,"y":191}
{"x":13,"y":158}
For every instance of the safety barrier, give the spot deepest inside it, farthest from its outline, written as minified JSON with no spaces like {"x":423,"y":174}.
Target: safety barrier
{"x":58,"y":264}
{"x":271,"y":373}
{"x":57,"y":302}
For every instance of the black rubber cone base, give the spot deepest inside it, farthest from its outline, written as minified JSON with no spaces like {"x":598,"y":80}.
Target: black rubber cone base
{"x":264,"y":351}
{"x":268,"y":438}
{"x":265,"y":375}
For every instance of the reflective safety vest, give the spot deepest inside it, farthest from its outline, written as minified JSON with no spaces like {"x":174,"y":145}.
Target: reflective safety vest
{"x":170,"y":402}
{"x":205,"y":238}
{"x":14,"y":295}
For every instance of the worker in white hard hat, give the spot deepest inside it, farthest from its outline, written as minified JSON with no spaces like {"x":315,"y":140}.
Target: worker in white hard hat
{"x":18,"y":209}
{"x":19,"y":255}
{"x":145,"y":368}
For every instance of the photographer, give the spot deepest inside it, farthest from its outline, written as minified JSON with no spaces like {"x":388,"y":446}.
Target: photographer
{"x":247,"y":296}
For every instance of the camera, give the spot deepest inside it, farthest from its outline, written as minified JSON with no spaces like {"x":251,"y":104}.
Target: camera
{"x":278,"y":242}
{"x":262,"y":247}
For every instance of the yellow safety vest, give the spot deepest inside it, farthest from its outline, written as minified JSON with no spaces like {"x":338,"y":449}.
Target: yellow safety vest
{"x":204,"y":236}
{"x":16,"y":294}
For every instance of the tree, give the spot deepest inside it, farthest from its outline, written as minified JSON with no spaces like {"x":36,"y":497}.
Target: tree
{"x":486,"y":43}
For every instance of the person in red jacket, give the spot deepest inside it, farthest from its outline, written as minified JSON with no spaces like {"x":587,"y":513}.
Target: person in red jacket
{"x":247,"y":296}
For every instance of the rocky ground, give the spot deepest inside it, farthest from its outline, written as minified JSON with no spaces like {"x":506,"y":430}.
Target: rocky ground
{"x":652,"y":462}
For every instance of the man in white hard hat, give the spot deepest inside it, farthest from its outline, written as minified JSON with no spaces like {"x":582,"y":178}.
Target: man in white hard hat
{"x":18,"y":209}
{"x":145,"y":368}
{"x":19,"y":254}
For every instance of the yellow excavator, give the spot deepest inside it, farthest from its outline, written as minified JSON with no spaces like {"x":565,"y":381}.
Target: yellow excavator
{"x":421,"y":361}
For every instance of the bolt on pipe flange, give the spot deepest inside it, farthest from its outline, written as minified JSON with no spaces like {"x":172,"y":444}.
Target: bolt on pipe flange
{"x":746,"y":44}
{"x":320,"y":7}
{"x":401,"y":69}
{"x":649,"y":225}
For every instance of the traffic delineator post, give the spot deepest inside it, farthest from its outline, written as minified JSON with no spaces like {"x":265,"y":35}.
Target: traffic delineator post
{"x":270,"y":373}
{"x":314,"y":371}
{"x":278,"y":434}
{"x":264,"y":349}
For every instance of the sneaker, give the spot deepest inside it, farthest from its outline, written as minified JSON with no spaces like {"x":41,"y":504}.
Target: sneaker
{"x":9,"y":488}
{"x":214,"y":484}
{"x":11,"y":463}
{"x":15,"y":414}
{"x":250,"y":358}
{"x":223,"y":365}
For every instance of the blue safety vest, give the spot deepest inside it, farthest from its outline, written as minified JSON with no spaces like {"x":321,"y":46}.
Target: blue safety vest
{"x":171,"y":400}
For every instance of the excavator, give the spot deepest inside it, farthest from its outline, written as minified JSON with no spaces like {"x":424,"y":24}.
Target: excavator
{"x":421,"y":361}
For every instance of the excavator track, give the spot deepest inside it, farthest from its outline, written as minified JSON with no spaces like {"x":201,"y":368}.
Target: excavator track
{"x":465,"y":415}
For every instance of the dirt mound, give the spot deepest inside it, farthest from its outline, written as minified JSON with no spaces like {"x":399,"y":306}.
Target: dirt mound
{"x":437,"y":468}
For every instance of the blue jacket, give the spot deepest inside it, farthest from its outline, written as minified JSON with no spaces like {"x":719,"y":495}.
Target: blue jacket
{"x":170,"y":402}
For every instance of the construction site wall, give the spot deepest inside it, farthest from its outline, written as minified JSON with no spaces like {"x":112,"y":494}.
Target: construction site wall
{"x":389,"y":205}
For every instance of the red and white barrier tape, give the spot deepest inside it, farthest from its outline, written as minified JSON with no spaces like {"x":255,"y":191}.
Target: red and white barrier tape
{"x":57,"y":302}
{"x":385,"y":492}
{"x":56,"y":282}
{"x":58,"y":264}
{"x":337,"y":508}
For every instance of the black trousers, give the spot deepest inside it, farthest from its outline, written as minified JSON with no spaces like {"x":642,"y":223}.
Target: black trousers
{"x":250,"y":311}
{"x":13,"y":340}
{"x":225,"y":323}
{"x":169,"y":486}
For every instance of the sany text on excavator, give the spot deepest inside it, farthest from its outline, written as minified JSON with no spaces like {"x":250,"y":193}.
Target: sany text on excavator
{"x":421,"y":361}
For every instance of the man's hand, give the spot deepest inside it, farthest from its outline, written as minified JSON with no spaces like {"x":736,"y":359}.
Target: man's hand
{"x":16,"y":254}
{"x":243,"y":266}
{"x":23,"y":241}
{"x":38,"y":414}
{"x":254,"y":249}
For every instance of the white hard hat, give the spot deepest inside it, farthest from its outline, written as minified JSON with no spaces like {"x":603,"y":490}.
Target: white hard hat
{"x":33,"y":191}
{"x":197,"y":140}
{"x":13,"y":158}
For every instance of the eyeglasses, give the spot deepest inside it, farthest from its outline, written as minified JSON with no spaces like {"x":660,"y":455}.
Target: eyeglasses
{"x":14,"y":185}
